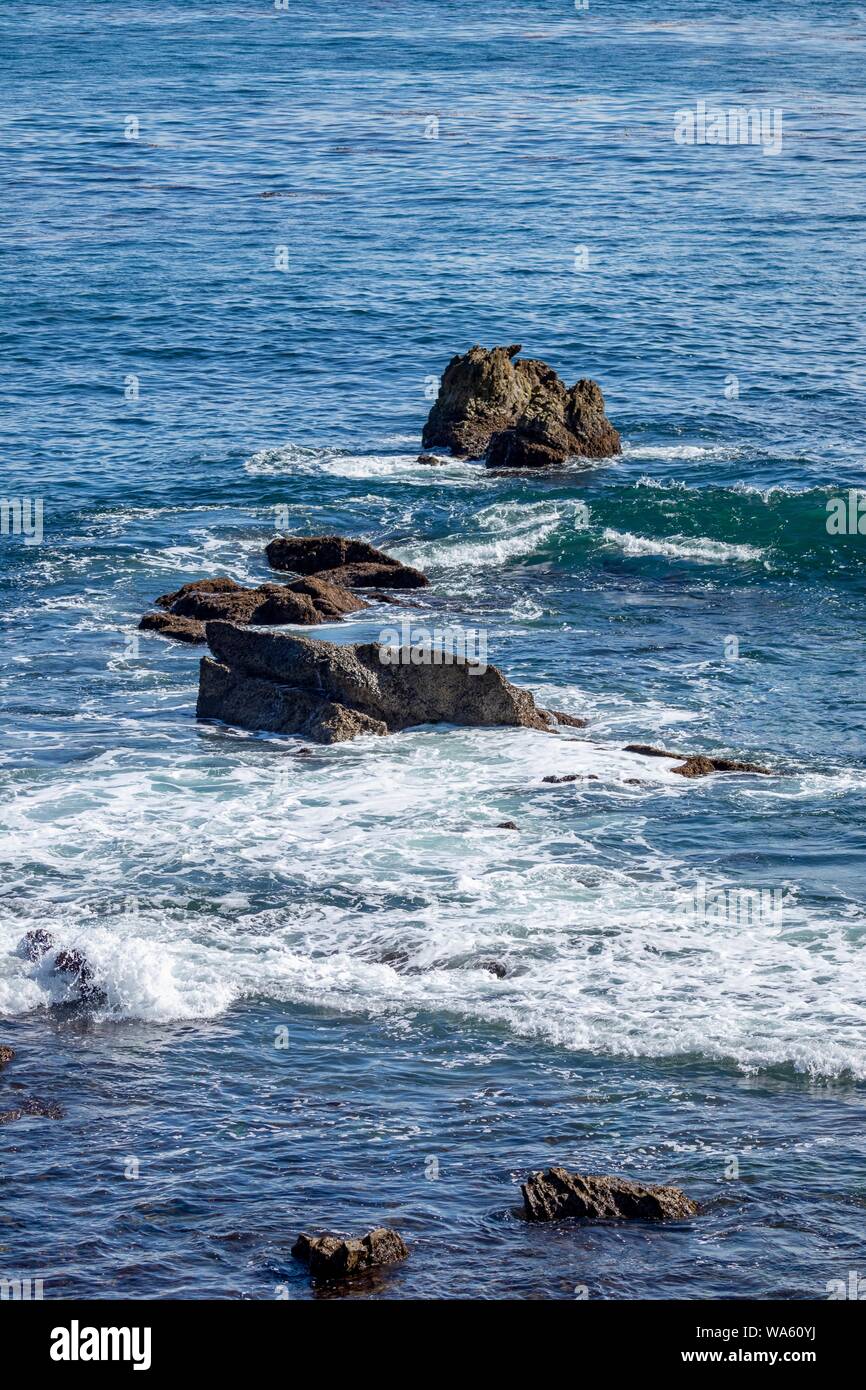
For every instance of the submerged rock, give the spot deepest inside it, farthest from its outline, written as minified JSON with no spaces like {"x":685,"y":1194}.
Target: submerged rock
{"x":517,"y":414}
{"x":494,"y":967}
{"x":557,"y":1193}
{"x":303,"y":602}
{"x":32,"y":1105}
{"x":289,"y":684}
{"x":331,"y":1257}
{"x":696,"y":764}
{"x":35,"y":945}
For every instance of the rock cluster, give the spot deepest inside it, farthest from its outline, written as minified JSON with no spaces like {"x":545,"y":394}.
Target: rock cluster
{"x":517,"y":414}
{"x":306,"y":601}
{"x":340,"y":560}
{"x":557,"y":1193}
{"x":290,"y":684}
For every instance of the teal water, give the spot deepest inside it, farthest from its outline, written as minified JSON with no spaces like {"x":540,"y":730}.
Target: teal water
{"x":225,"y":888}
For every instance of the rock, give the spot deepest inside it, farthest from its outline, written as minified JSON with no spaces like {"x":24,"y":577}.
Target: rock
{"x":169,"y":625}
{"x":76,"y":965}
{"x":567,"y":777}
{"x":432,"y":459}
{"x":6,"y":1055}
{"x":696,"y":765}
{"x":32,"y":1106}
{"x":330,"y":1257}
{"x":35,"y":944}
{"x":199,"y":586}
{"x":507,"y":825}
{"x":495,"y":967}
{"x":373,"y":576}
{"x":303,"y":602}
{"x":572,"y":721}
{"x":557,"y":1193}
{"x":290,"y":684}
{"x":517,"y":414}
{"x":313,"y":554}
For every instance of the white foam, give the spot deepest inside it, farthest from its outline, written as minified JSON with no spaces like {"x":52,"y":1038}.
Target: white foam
{"x":701,"y":548}
{"x":269,"y":875}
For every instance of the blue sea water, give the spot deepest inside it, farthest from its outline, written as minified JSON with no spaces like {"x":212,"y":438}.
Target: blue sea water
{"x":173,"y":398}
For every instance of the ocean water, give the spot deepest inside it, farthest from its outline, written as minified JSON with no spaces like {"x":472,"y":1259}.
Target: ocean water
{"x":299,"y":1028}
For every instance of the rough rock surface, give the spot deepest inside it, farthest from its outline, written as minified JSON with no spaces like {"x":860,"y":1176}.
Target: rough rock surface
{"x":290,"y":684}
{"x":331,"y":1257}
{"x":312,"y":554}
{"x":368,"y":575}
{"x":516,"y":414}
{"x":696,"y":765}
{"x":6,"y":1055}
{"x":557,"y":1193}
{"x":32,"y":1105}
{"x":306,"y":601}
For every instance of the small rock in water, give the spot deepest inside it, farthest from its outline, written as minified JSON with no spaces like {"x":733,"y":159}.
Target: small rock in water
{"x":557,"y":1193}
{"x":568,"y":777}
{"x":36,"y":944}
{"x":495,"y":967}
{"x":330,"y":1257}
{"x":507,"y":825}
{"x":431,"y":459}
{"x":696,"y":764}
{"x":6,"y":1055}
{"x":32,"y":1106}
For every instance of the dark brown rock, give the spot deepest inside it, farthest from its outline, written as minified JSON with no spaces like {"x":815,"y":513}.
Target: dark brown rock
{"x":290,"y":684}
{"x":303,"y":602}
{"x":198,"y":586}
{"x":557,"y":1193}
{"x":507,"y":825}
{"x":373,"y":576}
{"x":6,"y":1055}
{"x":331,"y":1257}
{"x":170,"y":625}
{"x":495,"y":967}
{"x":313,"y":554}
{"x":517,"y":414}
{"x":696,"y":764}
{"x":35,"y":944}
{"x":432,"y":459}
{"x":571,"y":721}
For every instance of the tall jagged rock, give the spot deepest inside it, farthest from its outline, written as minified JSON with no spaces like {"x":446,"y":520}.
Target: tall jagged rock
{"x":517,"y":414}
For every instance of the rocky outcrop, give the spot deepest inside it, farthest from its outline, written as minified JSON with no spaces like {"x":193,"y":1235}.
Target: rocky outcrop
{"x":517,"y":414}
{"x":340,"y":560}
{"x":35,"y":945}
{"x":557,"y":1193}
{"x":304,"y":602}
{"x":294,"y":685}
{"x":695,"y":764}
{"x":331,"y":1257}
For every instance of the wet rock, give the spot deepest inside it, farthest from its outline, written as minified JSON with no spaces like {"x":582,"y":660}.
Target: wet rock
{"x":567,"y":777}
{"x":35,"y":944}
{"x":169,"y":625}
{"x":304,"y":602}
{"x":697,"y":765}
{"x":557,"y":1193}
{"x":219,"y":585}
{"x":432,"y":459}
{"x":330,"y":1257}
{"x":285,"y":683}
{"x":78,"y":967}
{"x":507,"y":825}
{"x":374,"y":576}
{"x":32,"y":1105}
{"x":572,"y":721}
{"x":6,"y":1055}
{"x":495,"y":967}
{"x":517,"y":414}
{"x":313,"y":554}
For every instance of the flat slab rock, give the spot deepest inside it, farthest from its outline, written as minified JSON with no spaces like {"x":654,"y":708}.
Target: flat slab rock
{"x":517,"y":414}
{"x":696,"y":764}
{"x":556,"y":1194}
{"x":332,"y":1257}
{"x":341,"y":560}
{"x":285,"y":683}
{"x":304,"y":602}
